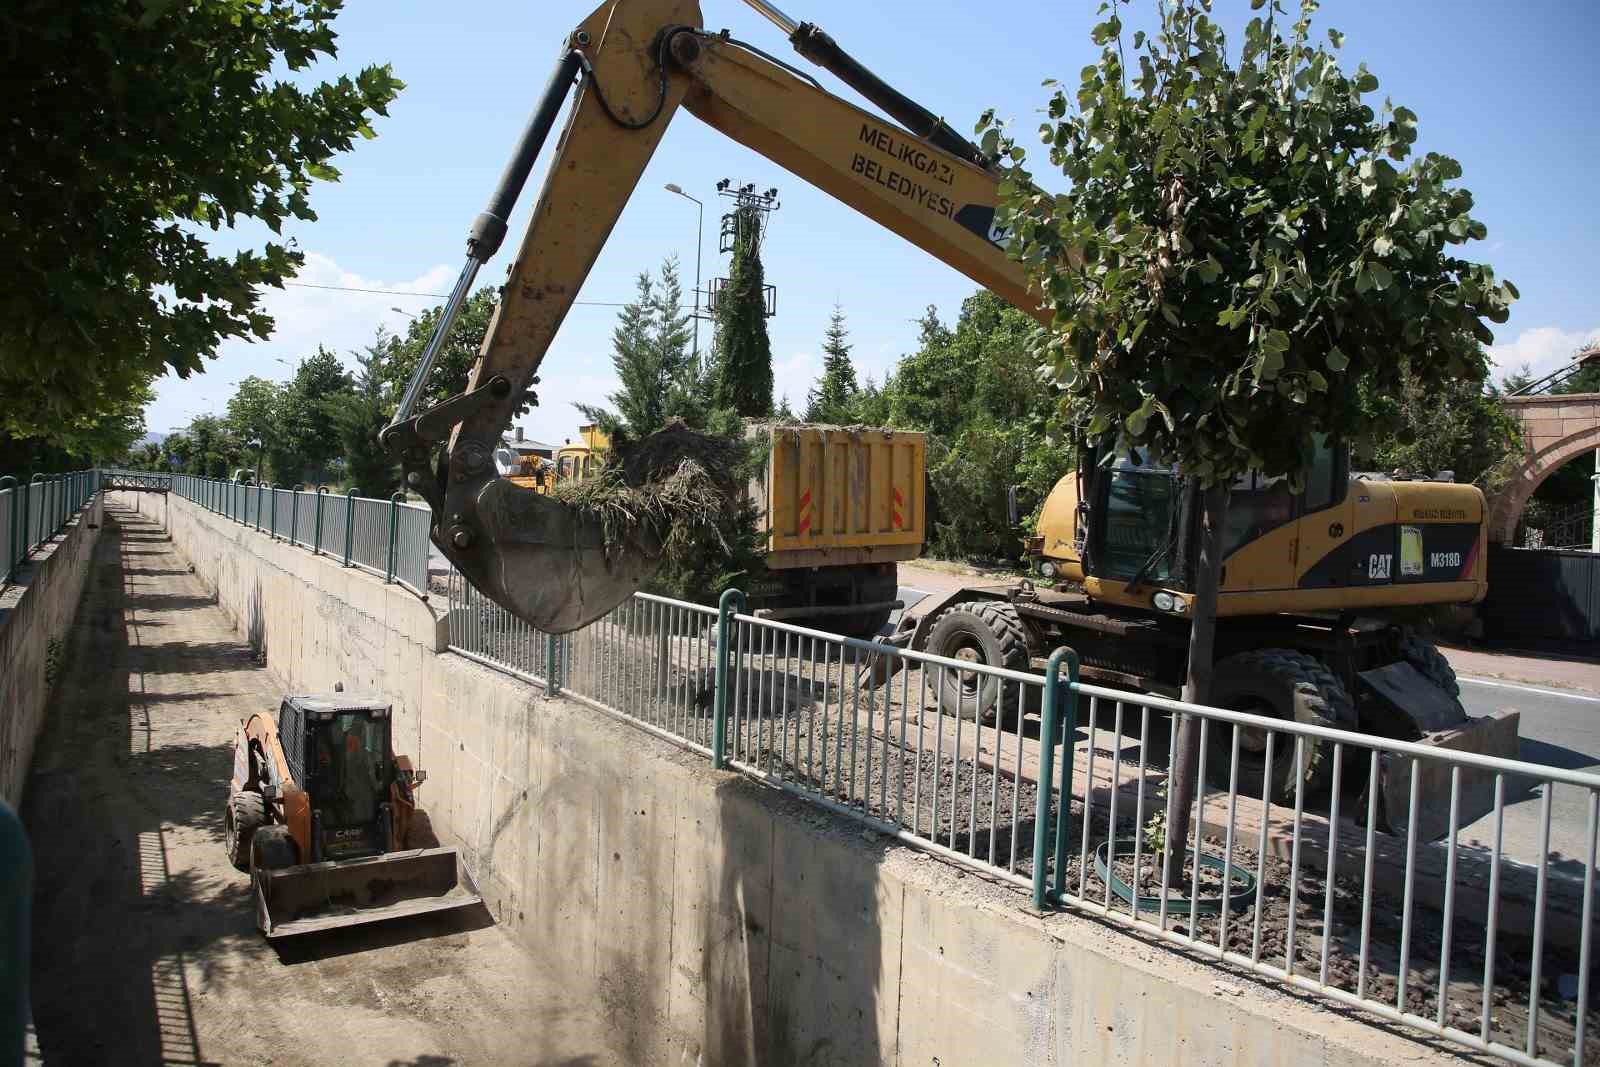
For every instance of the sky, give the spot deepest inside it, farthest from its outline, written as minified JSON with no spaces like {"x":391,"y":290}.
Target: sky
{"x":1501,"y":87}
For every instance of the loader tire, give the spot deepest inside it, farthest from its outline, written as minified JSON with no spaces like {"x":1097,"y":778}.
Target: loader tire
{"x":1425,"y":656}
{"x":1282,"y":684}
{"x":272,"y":849}
{"x":247,"y":813}
{"x":988,"y":632}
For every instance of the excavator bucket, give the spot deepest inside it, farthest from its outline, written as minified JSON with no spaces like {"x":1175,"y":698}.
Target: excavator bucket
{"x":1442,"y":722}
{"x":560,"y":562}
{"x":313,"y":897}
{"x":547,"y":564}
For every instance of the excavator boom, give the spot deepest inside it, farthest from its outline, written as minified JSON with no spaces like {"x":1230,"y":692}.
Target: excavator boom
{"x":630,"y":66}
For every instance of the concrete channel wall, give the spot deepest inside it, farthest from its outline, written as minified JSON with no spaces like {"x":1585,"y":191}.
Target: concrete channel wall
{"x":719,"y":922}
{"x":35,"y":611}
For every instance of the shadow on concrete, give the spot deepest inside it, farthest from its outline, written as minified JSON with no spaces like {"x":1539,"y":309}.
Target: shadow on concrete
{"x":791,"y":949}
{"x":198,"y":657}
{"x":313,"y":948}
{"x":119,"y":930}
{"x":168,"y":601}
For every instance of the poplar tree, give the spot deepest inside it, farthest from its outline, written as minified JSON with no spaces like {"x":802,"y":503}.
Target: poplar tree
{"x":742,"y":379}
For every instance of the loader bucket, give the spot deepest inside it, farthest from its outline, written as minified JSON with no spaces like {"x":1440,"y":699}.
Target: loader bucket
{"x":313,"y":897}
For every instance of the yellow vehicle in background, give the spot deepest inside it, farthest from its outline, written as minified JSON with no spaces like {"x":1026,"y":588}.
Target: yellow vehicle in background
{"x":583,"y":457}
{"x":840,"y":508}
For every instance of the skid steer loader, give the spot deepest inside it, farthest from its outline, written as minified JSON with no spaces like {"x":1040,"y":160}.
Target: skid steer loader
{"x":318,"y":812}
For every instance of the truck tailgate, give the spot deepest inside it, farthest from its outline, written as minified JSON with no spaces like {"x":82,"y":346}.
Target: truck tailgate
{"x":838,"y":488}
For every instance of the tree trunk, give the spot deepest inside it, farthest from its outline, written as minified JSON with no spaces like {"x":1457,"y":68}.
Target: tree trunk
{"x":1197,"y":687}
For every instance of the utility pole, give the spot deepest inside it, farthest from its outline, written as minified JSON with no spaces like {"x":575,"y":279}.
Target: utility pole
{"x":699,"y":239}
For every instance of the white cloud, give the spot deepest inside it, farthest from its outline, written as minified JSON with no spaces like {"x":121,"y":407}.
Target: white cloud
{"x":305,"y":317}
{"x":794,"y":377}
{"x":1542,"y":349}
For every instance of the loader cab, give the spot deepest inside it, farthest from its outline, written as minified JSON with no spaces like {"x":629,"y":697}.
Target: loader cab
{"x":346,"y":767}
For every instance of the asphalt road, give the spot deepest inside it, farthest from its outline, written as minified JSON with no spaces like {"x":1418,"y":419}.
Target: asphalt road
{"x":1561,"y":731}
{"x":1558,"y":728}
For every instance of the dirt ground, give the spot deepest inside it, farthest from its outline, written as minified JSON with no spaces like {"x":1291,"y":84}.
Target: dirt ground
{"x":145,"y":949}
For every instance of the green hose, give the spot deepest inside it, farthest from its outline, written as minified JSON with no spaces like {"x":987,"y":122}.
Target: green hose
{"x":1243,"y":883}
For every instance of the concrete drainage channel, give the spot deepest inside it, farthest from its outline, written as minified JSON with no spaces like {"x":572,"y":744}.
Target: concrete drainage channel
{"x":718,"y":917}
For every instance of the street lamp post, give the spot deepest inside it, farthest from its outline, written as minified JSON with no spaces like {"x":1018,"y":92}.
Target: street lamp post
{"x":699,"y":239}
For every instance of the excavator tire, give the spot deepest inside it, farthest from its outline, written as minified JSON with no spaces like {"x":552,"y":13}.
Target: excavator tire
{"x":991,"y":633}
{"x":247,"y":813}
{"x":1425,"y":656}
{"x":1283,"y":684}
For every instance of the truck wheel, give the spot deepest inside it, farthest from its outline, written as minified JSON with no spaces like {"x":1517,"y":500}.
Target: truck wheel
{"x":273,"y":849}
{"x":1282,"y":684}
{"x":247,"y":813}
{"x":990,"y":633}
{"x":874,"y":583}
{"x":1425,"y":656}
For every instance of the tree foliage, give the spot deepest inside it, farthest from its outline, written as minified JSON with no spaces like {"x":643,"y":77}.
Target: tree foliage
{"x":834,"y":398}
{"x":132,"y":126}
{"x":255,"y":416}
{"x":994,"y":422}
{"x":460,"y":351}
{"x":660,"y":377}
{"x":367,"y":465}
{"x":1455,"y":425}
{"x":742,"y":379}
{"x":1239,"y":258}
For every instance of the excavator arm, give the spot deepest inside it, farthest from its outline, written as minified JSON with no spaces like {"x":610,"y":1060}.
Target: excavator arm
{"x":631,"y":65}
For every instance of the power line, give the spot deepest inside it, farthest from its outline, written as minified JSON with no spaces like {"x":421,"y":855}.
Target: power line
{"x":436,"y":296}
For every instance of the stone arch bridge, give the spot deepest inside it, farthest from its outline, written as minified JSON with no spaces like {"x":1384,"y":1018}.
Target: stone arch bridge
{"x":1555,"y":430}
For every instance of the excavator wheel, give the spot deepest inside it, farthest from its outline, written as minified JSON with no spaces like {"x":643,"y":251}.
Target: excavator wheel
{"x":991,"y":633}
{"x":1425,"y":656}
{"x":247,"y":813}
{"x":1282,"y":684}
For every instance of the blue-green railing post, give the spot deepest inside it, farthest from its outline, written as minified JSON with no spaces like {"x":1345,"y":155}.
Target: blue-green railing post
{"x":274,"y":515}
{"x":552,"y":663}
{"x":1060,"y":708}
{"x":349,"y":522}
{"x":731,"y":604}
{"x":294,"y":514}
{"x":394,"y":532}
{"x":259,"y":502}
{"x":8,"y":482}
{"x":27,"y":525}
{"x":316,"y":529}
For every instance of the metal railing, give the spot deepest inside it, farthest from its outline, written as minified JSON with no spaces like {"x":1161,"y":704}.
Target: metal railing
{"x":388,"y":538}
{"x":1057,"y":787}
{"x":1572,"y":529}
{"x":34,"y":511}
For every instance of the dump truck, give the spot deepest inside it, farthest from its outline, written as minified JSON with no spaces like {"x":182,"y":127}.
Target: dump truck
{"x":319,"y":810}
{"x":1321,"y":588}
{"x":840,"y":508}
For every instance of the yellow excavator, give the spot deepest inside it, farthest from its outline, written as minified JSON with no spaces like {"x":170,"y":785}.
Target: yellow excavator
{"x":629,"y":67}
